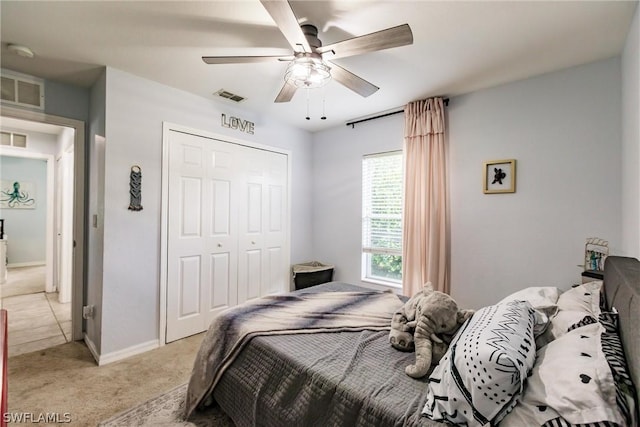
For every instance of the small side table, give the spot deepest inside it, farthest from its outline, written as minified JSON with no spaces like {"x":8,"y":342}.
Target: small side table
{"x":591,"y":275}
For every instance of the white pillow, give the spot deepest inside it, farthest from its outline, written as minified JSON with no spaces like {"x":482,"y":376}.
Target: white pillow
{"x":585,"y":297}
{"x":572,"y":380}
{"x":543,"y":299}
{"x":482,"y":374}
{"x":537,"y":296}
{"x":576,"y":306}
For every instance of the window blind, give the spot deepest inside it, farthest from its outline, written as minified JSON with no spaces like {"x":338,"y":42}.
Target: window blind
{"x":382,"y":203}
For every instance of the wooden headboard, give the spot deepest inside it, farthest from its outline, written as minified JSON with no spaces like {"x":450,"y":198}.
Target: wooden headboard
{"x":622,"y":291}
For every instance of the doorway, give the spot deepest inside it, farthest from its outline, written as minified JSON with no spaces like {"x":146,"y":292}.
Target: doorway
{"x":64,"y":268}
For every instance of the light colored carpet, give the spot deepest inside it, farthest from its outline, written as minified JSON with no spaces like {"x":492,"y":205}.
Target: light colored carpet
{"x":66,"y":379}
{"x":166,"y":410}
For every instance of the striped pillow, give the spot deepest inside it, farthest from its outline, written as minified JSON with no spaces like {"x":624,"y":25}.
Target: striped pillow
{"x":614,"y":353}
{"x":560,"y":422}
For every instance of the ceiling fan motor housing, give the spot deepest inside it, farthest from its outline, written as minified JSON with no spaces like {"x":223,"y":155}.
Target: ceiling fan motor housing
{"x":311,"y":34}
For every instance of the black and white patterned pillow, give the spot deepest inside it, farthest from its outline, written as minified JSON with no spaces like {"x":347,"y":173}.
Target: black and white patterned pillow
{"x":571,"y":384}
{"x":612,"y":349}
{"x":609,"y":319}
{"x":482,"y":374}
{"x":614,"y":353}
{"x":579,"y":306}
{"x":585,"y":297}
{"x":560,"y":422}
{"x":587,"y":320}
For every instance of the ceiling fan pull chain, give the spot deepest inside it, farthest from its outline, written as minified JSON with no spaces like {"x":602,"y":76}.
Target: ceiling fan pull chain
{"x":308,"y":118}
{"x":324,"y":92}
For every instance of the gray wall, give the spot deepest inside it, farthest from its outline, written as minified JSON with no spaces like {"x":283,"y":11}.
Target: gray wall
{"x":631,"y":141}
{"x":564,"y":130}
{"x":66,"y":100}
{"x":337,"y":189}
{"x":26,"y":229}
{"x":95,"y":201}
{"x":135,"y":111}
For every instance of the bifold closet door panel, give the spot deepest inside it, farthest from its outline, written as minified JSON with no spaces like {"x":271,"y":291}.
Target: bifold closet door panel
{"x":262,"y":261}
{"x":202,"y":233}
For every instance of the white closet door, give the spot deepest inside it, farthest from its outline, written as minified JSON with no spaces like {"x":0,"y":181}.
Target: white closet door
{"x":202,"y":232}
{"x":276,"y":253}
{"x":223,"y":228}
{"x":263,"y":259}
{"x":227,"y":229}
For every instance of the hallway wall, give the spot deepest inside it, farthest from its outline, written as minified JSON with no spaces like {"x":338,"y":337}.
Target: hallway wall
{"x":25,"y":228}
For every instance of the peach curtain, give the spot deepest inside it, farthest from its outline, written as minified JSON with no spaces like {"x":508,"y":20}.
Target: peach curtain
{"x":424,"y":239}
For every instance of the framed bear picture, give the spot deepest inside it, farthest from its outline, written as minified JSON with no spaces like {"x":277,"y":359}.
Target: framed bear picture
{"x":499,"y":176}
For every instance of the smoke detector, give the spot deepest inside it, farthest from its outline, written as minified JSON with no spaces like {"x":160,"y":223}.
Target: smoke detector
{"x":21,"y":50}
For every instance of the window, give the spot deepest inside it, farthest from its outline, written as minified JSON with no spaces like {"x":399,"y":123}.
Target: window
{"x":382,"y":218}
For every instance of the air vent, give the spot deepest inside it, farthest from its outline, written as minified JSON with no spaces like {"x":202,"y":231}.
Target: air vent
{"x":22,"y":90}
{"x":13,"y":139}
{"x":228,"y":95}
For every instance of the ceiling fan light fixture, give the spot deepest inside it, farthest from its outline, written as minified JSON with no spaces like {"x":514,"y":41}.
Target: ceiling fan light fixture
{"x":308,"y":70}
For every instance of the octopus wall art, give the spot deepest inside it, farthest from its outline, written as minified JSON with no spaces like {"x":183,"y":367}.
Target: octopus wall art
{"x":16,"y":195}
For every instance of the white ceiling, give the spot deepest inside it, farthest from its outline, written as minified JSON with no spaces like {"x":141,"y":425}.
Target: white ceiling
{"x":458,"y":46}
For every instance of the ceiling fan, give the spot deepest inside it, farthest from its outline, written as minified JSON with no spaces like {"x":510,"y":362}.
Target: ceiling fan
{"x":307,"y":68}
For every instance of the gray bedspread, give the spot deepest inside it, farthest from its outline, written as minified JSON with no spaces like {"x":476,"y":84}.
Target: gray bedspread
{"x":235,"y":332}
{"x":322,"y":379}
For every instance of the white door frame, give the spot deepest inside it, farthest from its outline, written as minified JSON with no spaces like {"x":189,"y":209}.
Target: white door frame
{"x":167,"y":127}
{"x":65,"y":256}
{"x":78,"y":205}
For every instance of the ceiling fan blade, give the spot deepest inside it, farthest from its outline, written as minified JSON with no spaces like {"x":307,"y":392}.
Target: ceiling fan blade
{"x":351,"y":81}
{"x":384,"y":39}
{"x":244,"y":59}
{"x":286,"y":93}
{"x":282,"y":14}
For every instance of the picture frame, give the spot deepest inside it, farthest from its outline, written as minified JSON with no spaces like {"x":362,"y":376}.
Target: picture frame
{"x":16,"y":194}
{"x":499,"y":176}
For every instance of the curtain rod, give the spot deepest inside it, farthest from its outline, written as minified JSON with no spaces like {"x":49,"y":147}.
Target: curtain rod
{"x":379,"y":116}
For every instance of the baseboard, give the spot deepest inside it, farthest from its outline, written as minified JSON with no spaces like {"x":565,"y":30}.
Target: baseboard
{"x":114,"y":356}
{"x":26,"y":264}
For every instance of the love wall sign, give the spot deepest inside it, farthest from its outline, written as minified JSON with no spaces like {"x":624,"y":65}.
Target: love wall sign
{"x":238,"y":124}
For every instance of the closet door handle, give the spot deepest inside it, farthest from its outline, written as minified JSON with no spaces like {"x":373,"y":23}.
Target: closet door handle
{"x":219,"y":245}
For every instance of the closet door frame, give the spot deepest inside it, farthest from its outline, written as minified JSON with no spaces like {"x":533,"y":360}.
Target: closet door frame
{"x":167,"y":128}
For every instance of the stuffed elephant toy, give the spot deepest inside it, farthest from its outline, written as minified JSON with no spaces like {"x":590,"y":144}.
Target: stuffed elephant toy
{"x":427,"y":323}
{"x":401,"y":334}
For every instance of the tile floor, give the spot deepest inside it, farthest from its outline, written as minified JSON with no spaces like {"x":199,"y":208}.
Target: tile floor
{"x":36,"y":320}
{"x":23,"y":280}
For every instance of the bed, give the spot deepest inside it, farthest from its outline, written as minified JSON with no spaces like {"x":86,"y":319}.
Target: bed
{"x":338,"y":375}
